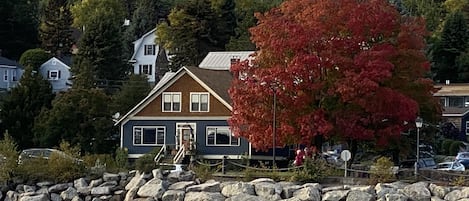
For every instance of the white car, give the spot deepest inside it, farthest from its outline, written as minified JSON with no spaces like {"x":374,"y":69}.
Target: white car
{"x":453,"y":166}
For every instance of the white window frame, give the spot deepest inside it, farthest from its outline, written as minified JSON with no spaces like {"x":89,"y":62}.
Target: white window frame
{"x":50,"y":75}
{"x":13,"y":76}
{"x":172,"y":101}
{"x":139,"y":140}
{"x":225,"y":128}
{"x":149,"y":50}
{"x":467,"y":127}
{"x":197,"y":100}
{"x":146,"y":69}
{"x":5,"y":75}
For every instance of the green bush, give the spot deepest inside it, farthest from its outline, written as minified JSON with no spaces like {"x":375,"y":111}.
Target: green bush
{"x":203,"y":172}
{"x":381,"y":171}
{"x":454,"y":148}
{"x":121,"y":158}
{"x":146,"y":162}
{"x":314,"y":170}
{"x":8,"y":157}
{"x":445,"y":146}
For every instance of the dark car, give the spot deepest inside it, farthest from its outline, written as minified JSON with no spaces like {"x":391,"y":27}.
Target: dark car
{"x":43,"y":153}
{"x":464,"y":162}
{"x":424,"y":163}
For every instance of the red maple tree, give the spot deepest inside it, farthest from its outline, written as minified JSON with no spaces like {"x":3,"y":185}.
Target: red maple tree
{"x":349,"y":68}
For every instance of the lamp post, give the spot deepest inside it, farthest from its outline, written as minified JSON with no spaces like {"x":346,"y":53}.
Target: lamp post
{"x":274,"y":130}
{"x":418,"y":124}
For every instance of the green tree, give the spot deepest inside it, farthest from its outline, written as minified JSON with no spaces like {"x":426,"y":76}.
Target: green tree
{"x":194,"y":30}
{"x":454,"y":41}
{"x":431,"y":10}
{"x":55,"y":30}
{"x":133,"y":91}
{"x":79,"y":116}
{"x":19,"y":23}
{"x":25,"y":102}
{"x":245,"y":19}
{"x":34,"y":58}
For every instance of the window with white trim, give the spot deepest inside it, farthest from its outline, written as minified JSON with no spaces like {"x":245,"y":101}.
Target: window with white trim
{"x":150,"y":49}
{"x":5,"y":75}
{"x":467,"y":127}
{"x":53,"y":74}
{"x":199,"y":102}
{"x":13,"y":76}
{"x":171,"y":102}
{"x":149,"y":135}
{"x":221,"y":136}
{"x":145,"y":69}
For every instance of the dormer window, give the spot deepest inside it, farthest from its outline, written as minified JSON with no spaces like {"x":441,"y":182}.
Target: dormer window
{"x":171,"y":102}
{"x":53,"y":74}
{"x":149,"y":50}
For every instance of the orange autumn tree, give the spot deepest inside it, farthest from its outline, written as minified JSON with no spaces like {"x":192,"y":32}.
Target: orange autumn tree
{"x":350,"y":68}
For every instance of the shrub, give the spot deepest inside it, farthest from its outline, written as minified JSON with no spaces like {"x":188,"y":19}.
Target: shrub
{"x":454,"y":148}
{"x":445,"y":146}
{"x":381,"y":171}
{"x":203,"y":172}
{"x":146,"y":162}
{"x":8,"y":157}
{"x":121,"y":158}
{"x":313,"y":170}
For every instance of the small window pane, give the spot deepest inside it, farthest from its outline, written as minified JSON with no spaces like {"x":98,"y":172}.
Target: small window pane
{"x":149,"y":136}
{"x":176,"y":106}
{"x":176,"y":98}
{"x":223,"y":137}
{"x":234,"y":140}
{"x":194,"y":98}
{"x":195,"y":107}
{"x":137,"y":136}
{"x":204,"y":98}
{"x":211,"y":137}
{"x":167,"y":98}
{"x":160,"y":136}
{"x":204,"y":107}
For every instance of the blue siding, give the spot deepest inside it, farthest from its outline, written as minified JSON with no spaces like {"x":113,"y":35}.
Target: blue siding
{"x":170,"y":125}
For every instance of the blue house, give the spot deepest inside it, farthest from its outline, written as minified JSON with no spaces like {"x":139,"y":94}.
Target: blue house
{"x":10,"y":73}
{"x":57,"y":72}
{"x":454,"y":99}
{"x":186,"y":113}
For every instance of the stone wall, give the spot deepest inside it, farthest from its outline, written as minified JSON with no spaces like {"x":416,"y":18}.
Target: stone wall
{"x":184,"y":186}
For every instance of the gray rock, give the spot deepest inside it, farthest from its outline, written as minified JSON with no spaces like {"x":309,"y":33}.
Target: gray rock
{"x":238,"y":188}
{"x":80,"y":183}
{"x":439,"y":191}
{"x":262,"y":180}
{"x":58,"y":188}
{"x":105,"y":197}
{"x":42,"y":190}
{"x":307,"y":193}
{"x":111,"y":177}
{"x":207,"y":187}
{"x":153,"y":188}
{"x":246,"y":197}
{"x":12,"y":196}
{"x":204,"y":196}
{"x":355,"y":195}
{"x":109,"y":183}
{"x":68,"y":194}
{"x":135,"y":182}
{"x":288,"y":191}
{"x":144,"y":199}
{"x":457,"y":194}
{"x":335,"y":195}
{"x":384,"y":189}
{"x":40,"y":197}
{"x":418,"y":191}
{"x":96,"y":199}
{"x":105,"y":190}
{"x":119,"y":195}
{"x":435,"y":198}
{"x":182,"y":185}
{"x":131,"y":194}
{"x":29,"y":189}
{"x":44,"y":183}
{"x":174,"y":177}
{"x":84,"y":190}
{"x":367,"y":189}
{"x":123,"y":175}
{"x":96,"y":182}
{"x":336,"y":188}
{"x":55,"y":197}
{"x":268,"y":190}
{"x":395,"y":197}
{"x":173,"y":195}
{"x":157,"y":174}
{"x":77,"y":198}
{"x":314,"y":185}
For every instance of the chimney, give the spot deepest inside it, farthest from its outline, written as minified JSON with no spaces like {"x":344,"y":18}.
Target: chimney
{"x":447,"y":82}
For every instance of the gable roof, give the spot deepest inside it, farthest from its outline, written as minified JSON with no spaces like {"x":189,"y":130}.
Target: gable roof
{"x":216,"y":82}
{"x":222,"y":60}
{"x":7,"y":62}
{"x":138,"y":42}
{"x":56,"y":60}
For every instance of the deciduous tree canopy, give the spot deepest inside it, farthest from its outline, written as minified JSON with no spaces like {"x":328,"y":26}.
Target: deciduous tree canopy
{"x":351,"y":69}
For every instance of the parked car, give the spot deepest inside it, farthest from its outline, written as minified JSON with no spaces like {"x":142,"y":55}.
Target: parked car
{"x":462,"y":156}
{"x":451,"y":166}
{"x":424,"y":163}
{"x":43,"y":153}
{"x":464,"y":162}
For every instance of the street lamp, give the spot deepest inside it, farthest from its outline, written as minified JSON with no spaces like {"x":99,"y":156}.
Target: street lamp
{"x":274,"y":130}
{"x":418,"y":124}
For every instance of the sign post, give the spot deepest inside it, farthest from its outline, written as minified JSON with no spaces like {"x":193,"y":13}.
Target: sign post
{"x":345,"y":155}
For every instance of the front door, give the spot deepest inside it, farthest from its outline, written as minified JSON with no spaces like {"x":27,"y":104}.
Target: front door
{"x":185,"y":135}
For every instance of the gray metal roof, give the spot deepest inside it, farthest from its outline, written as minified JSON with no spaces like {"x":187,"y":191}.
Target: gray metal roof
{"x":7,"y":62}
{"x":222,"y":60}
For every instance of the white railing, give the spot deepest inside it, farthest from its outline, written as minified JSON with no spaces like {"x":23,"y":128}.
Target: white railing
{"x":180,"y":154}
{"x":160,"y":154}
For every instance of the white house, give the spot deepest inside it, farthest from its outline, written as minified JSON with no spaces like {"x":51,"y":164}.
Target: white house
{"x":10,"y":73}
{"x":57,"y":73}
{"x":146,"y":55}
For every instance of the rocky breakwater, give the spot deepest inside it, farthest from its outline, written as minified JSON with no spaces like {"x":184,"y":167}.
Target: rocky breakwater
{"x":184,"y":186}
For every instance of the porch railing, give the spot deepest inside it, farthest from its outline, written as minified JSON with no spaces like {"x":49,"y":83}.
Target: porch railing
{"x":160,"y":154}
{"x":180,"y":154}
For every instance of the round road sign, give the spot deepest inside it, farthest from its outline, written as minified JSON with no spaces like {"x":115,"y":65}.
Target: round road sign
{"x":345,"y":155}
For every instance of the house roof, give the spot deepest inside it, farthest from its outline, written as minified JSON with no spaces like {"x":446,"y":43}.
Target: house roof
{"x":139,"y":43}
{"x":216,"y":82}
{"x":57,"y":60}
{"x":222,"y":60}
{"x":457,"y":89}
{"x":455,"y":111}
{"x":7,"y":62}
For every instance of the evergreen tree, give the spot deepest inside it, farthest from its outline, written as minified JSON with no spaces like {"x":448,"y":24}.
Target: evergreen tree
{"x":454,"y":40}
{"x":55,"y":30}
{"x":34,"y":58}
{"x":18,"y":27}
{"x":79,"y":116}
{"x":133,"y":91}
{"x":25,"y":102}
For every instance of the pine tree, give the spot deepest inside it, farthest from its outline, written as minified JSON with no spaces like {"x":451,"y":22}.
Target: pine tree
{"x":55,"y":30}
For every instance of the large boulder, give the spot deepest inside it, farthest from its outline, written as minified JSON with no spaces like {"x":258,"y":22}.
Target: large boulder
{"x":288,"y":191}
{"x":335,"y":195}
{"x":131,"y":194}
{"x":307,"y":193}
{"x":176,"y":176}
{"x":69,"y":194}
{"x":58,"y":188}
{"x":439,"y":191}
{"x":111,"y":177}
{"x":80,"y":183}
{"x":182,"y":185}
{"x":204,"y":196}
{"x":40,"y":197}
{"x":136,"y":181}
{"x":418,"y":191}
{"x":173,"y":195}
{"x":246,"y":197}
{"x":268,"y":190}
{"x":206,"y":187}
{"x":153,"y":188}
{"x":238,"y":188}
{"x":359,"y":196}
{"x":458,"y":194}
{"x":103,"y":190}
{"x":395,"y":197}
